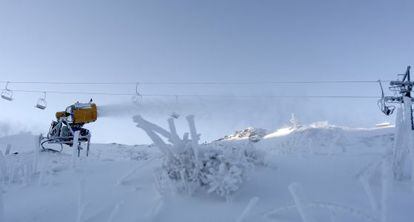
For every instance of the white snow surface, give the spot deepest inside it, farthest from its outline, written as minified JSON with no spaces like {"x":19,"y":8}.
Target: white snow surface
{"x":321,"y":163}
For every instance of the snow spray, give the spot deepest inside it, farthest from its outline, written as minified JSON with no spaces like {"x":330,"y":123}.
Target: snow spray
{"x":228,"y":111}
{"x":226,"y":106}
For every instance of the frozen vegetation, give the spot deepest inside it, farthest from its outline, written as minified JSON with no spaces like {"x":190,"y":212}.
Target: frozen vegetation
{"x":316,"y":172}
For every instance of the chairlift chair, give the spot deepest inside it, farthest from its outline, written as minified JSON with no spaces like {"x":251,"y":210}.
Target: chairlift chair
{"x":137,"y":98}
{"x":386,"y":109}
{"x":7,"y":94}
{"x":41,"y":102}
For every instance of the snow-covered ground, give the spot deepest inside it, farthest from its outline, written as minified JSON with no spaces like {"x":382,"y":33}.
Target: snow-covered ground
{"x":320,"y":165}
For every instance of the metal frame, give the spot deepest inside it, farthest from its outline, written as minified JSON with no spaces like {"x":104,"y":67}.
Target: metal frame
{"x":64,"y":139}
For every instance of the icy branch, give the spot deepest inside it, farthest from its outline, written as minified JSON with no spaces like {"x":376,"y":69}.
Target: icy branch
{"x":115,"y":211}
{"x":1,"y":205}
{"x":175,"y":139}
{"x":3,"y":168}
{"x":81,"y":201}
{"x":297,"y":195}
{"x":142,"y":123}
{"x":156,"y":209}
{"x":252,"y":203}
{"x":385,"y":189}
{"x":36,"y":154}
{"x":8,"y":149}
{"x":75,"y":148}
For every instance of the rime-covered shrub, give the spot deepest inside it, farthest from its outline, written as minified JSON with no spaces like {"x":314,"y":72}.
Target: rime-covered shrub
{"x":224,"y":168}
{"x":188,"y":167}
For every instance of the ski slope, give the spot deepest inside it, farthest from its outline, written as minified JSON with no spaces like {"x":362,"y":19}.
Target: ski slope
{"x":320,"y":164}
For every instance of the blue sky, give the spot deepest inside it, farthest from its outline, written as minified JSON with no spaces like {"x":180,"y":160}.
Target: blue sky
{"x":205,"y":41}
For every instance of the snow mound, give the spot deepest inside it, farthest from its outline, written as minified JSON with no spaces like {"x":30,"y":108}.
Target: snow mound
{"x":250,"y":133}
{"x":322,"y":138}
{"x":116,"y":182}
{"x":315,"y":138}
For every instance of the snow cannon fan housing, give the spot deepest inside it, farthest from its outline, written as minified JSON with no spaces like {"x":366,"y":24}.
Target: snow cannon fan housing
{"x":80,"y":113}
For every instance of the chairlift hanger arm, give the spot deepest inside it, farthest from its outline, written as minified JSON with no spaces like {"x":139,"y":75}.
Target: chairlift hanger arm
{"x":407,"y":74}
{"x":382,"y":89}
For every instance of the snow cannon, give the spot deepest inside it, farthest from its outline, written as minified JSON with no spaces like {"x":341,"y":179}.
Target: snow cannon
{"x":69,"y":123}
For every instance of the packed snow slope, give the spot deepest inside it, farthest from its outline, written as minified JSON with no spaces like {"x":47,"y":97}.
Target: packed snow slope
{"x":116,"y":182}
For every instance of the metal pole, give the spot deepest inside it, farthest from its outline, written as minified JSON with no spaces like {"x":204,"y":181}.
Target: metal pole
{"x":410,"y":88}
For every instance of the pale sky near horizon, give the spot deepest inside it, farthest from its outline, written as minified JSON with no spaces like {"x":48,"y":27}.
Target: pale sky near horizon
{"x":204,"y":41}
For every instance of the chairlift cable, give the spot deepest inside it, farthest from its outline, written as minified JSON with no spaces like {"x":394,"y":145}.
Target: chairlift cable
{"x":198,"y":82}
{"x":197,"y":95}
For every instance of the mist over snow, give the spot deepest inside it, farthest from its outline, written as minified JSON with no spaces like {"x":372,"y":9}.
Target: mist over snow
{"x":225,"y":114}
{"x":8,"y":128}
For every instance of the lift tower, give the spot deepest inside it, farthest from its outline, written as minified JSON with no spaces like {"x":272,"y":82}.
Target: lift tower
{"x":401,"y":88}
{"x":402,"y":155}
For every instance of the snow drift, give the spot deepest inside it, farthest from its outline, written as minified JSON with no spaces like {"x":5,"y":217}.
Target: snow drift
{"x":317,"y":167}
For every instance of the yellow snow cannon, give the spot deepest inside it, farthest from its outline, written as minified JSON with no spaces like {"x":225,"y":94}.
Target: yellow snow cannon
{"x":83,"y":113}
{"x":68,"y":122}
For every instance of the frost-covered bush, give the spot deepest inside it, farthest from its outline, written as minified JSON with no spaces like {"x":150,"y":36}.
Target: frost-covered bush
{"x":224,"y":168}
{"x":216,"y":168}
